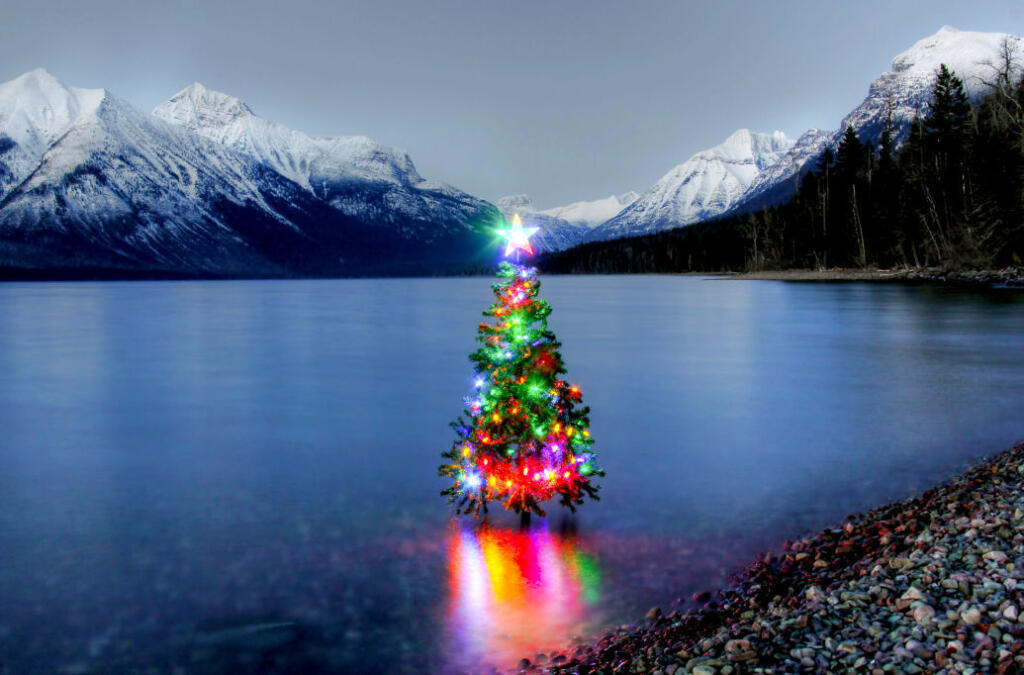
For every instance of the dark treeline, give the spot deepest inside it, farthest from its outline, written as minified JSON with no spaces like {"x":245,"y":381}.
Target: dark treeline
{"x":952,"y":197}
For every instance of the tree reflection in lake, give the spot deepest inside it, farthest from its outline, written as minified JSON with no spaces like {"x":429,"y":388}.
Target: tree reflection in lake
{"x":515,"y":591}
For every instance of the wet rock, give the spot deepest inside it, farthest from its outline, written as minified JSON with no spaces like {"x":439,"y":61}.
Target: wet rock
{"x":919,"y":650}
{"x":971,"y":616}
{"x":925,"y":585}
{"x":815,"y":594}
{"x":740,"y":651}
{"x":922,"y":613}
{"x":909,"y":597}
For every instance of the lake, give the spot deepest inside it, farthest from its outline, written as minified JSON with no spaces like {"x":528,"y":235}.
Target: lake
{"x":241,"y":475}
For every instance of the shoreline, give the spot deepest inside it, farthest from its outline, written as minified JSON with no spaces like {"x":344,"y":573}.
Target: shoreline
{"x":934,"y":583}
{"x":1010,"y":277}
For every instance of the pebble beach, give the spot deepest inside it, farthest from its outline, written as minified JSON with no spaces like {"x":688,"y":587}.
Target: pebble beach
{"x":933,"y":584}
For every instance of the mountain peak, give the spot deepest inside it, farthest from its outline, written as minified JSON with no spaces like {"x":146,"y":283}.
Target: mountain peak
{"x":197,"y":106}
{"x":744,"y":145}
{"x":704,"y":186}
{"x":739,"y":136}
{"x":963,"y":51}
{"x":522,"y":203}
{"x":37,"y":84}
{"x":36,"y":108}
{"x":590,"y":214}
{"x":39,"y":76}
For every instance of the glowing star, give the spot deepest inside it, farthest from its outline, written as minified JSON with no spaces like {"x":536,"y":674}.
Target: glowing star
{"x":518,"y":237}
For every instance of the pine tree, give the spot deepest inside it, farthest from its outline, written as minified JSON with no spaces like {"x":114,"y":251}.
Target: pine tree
{"x":824,"y":204}
{"x":948,"y":110}
{"x":887,"y":150}
{"x":885,"y":196}
{"x":524,"y":438}
{"x":849,"y":157}
{"x":946,"y":180}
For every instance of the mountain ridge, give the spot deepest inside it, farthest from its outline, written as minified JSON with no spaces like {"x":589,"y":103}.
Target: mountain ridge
{"x":704,"y":186}
{"x":904,"y":90}
{"x":105,"y":186}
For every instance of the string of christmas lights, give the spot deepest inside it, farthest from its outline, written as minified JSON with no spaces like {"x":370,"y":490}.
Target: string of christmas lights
{"x":523,"y":438}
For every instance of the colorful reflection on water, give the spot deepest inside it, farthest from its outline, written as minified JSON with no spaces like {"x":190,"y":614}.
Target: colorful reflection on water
{"x":516,"y":592}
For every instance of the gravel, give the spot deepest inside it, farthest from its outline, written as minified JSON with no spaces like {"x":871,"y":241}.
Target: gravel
{"x":932,"y":584}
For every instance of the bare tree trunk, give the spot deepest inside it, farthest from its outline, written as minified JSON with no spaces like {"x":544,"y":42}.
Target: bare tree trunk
{"x":863,"y":257}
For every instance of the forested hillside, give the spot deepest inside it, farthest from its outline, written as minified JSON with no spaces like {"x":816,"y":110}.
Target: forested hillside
{"x":952,"y":196}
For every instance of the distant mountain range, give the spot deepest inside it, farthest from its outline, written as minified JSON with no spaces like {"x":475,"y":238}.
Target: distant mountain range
{"x":753,"y":170}
{"x":563,"y":227}
{"x":905,"y":90}
{"x":706,"y":185}
{"x":204,"y":186}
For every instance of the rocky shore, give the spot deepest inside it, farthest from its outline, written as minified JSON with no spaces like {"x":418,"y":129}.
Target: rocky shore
{"x":934,"y":584}
{"x":1009,"y":277}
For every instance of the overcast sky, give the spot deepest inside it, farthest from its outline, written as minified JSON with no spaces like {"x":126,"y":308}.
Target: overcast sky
{"x":564,"y":101}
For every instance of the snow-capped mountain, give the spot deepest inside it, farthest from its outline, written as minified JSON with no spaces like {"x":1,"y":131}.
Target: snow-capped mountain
{"x":905,"y":90}
{"x":778,"y":182}
{"x":907,"y":86}
{"x":704,"y":186}
{"x":87,"y":181}
{"x":593,"y":213}
{"x":563,"y":227}
{"x":556,"y":234}
{"x":334,"y":169}
{"x":307,"y":160}
{"x":35,"y":113}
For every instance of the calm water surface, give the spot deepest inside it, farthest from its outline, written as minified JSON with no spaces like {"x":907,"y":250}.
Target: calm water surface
{"x":242,"y":475}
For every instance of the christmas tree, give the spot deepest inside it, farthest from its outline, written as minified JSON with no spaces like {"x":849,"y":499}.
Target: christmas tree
{"x":524,"y":437}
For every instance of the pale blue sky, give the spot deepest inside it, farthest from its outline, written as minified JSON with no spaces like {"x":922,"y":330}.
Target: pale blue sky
{"x":561,"y":100}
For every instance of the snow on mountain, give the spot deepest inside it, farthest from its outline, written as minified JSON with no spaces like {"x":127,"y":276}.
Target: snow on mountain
{"x":521,"y":204}
{"x":556,"y":234}
{"x":593,"y":213}
{"x":307,"y":160}
{"x":563,"y":227}
{"x":93,"y":182}
{"x":704,"y":186}
{"x":907,"y":86}
{"x":332,"y":168}
{"x":905,"y":90}
{"x":35,"y":111}
{"x":87,"y":181}
{"x":779,"y":181}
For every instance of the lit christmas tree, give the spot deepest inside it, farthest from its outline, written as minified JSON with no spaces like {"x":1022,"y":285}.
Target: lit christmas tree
{"x":524,"y":437}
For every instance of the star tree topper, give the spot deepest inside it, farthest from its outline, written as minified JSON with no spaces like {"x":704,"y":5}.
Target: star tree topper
{"x":518,"y":237}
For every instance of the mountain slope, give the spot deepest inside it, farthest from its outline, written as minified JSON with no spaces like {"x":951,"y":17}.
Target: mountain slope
{"x":79,"y":194}
{"x":593,"y":213}
{"x":89,"y":182}
{"x":904,"y":90}
{"x":555,"y":234}
{"x":563,"y":227}
{"x":702,"y":187}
